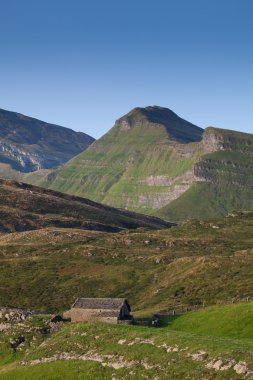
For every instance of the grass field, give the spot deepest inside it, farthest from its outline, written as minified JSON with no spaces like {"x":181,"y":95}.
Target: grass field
{"x":231,"y":320}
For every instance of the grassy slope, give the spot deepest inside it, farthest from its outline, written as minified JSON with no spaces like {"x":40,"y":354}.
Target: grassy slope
{"x":233,"y":320}
{"x":207,"y":200}
{"x":156,"y":270}
{"x":228,"y":176}
{"x":102,"y":339}
{"x":25,"y":207}
{"x":117,"y":176}
{"x":115,"y":169}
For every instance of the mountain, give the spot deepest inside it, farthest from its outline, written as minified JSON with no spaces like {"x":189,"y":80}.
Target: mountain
{"x":177,"y":129}
{"x":142,"y":163}
{"x":223,"y":178}
{"x":28,"y":144}
{"x":24,"y":207}
{"x":154,"y":162}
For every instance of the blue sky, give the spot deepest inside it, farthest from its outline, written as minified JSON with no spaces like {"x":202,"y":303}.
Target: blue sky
{"x":84,"y":63}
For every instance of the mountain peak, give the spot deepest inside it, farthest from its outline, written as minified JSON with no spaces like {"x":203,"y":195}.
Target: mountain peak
{"x":177,"y":128}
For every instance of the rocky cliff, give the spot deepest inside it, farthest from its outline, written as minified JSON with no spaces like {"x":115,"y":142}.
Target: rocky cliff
{"x":28,"y":144}
{"x":223,"y":178}
{"x":227,"y":155}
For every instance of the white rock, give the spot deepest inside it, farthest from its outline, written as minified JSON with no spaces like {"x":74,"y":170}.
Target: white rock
{"x":122,"y":341}
{"x":228,"y":365}
{"x":147,"y":365}
{"x":4,"y":327}
{"x":199,"y":356}
{"x":214,"y":364}
{"x":241,"y":368}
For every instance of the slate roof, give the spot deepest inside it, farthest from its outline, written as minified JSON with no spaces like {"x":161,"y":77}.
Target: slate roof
{"x":100,"y":303}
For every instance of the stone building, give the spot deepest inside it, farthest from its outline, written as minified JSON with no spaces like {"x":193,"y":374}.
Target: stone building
{"x":111,"y":310}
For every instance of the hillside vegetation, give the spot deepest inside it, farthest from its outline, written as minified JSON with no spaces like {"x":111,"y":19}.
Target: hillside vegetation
{"x":154,"y":162}
{"x":231,"y":320}
{"x":224,"y":178}
{"x":141,"y":164}
{"x":100,"y":351}
{"x":46,"y":266}
{"x":25,"y":207}
{"x":195,"y":263}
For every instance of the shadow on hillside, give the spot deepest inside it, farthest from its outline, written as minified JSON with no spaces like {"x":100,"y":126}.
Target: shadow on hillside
{"x":162,"y":321}
{"x":166,"y":320}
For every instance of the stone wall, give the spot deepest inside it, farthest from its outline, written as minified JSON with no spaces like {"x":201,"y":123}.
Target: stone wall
{"x":93,"y":315}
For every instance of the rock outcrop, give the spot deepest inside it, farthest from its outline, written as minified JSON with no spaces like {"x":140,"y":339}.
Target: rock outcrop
{"x":14,"y":315}
{"x":28,"y":144}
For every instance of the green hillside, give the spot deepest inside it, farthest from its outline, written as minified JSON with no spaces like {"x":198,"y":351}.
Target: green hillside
{"x":207,"y":200}
{"x":99,"y":351}
{"x":141,"y":164}
{"x":233,"y":320}
{"x":25,"y":207}
{"x":154,"y":162}
{"x":198,"y":262}
{"x":224,"y":178}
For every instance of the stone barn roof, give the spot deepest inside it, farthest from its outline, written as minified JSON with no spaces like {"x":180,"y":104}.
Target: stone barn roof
{"x":101,"y":303}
